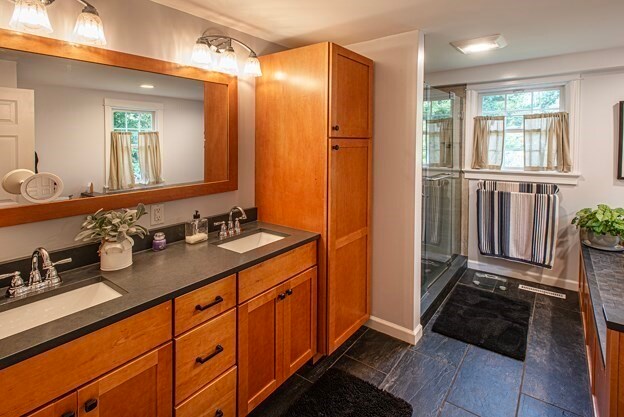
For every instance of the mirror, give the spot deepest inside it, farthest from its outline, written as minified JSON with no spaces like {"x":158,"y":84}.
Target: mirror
{"x":109,"y":129}
{"x":101,"y":129}
{"x":620,"y":173}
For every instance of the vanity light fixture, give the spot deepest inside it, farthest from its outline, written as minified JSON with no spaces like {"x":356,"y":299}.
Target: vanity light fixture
{"x":217,"y":53}
{"x":486,"y":43}
{"x":32,"y":16}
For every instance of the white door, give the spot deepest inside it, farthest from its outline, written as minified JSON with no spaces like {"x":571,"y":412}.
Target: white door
{"x":17,"y":133}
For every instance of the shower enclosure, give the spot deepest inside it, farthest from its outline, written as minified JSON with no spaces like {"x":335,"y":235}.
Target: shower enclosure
{"x":441,"y":190}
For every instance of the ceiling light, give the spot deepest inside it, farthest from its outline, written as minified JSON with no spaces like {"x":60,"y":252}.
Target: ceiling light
{"x":483,"y":44}
{"x":202,"y":54}
{"x":209,"y":45}
{"x":30,"y":16}
{"x":147,"y":86}
{"x":89,"y":28}
{"x":252,"y":66}
{"x":228,"y":62}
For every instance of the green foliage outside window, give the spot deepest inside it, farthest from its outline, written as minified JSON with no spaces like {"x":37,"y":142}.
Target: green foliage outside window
{"x":133,"y":122}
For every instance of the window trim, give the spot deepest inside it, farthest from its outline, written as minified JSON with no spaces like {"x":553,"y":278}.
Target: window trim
{"x":110,"y":105}
{"x":570,"y":85}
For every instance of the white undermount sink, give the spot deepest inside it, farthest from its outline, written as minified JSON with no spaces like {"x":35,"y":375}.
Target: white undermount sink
{"x":40,"y":312}
{"x":251,"y":242}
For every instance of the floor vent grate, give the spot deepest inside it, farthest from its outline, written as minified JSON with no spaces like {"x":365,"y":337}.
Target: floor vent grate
{"x":543,"y":292}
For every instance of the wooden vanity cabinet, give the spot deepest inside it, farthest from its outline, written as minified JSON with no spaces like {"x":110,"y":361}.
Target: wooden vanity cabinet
{"x":63,"y":407}
{"x":276,"y":334}
{"x":141,"y":388}
{"x":314,"y":128}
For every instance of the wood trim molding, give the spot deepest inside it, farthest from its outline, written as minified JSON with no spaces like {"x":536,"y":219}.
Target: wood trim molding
{"x":215,"y":181}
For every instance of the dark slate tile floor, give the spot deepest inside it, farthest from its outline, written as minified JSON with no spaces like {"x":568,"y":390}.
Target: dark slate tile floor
{"x":443,"y":377}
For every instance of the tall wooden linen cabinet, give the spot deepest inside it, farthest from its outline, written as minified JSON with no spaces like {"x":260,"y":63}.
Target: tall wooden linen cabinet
{"x":314,"y":126}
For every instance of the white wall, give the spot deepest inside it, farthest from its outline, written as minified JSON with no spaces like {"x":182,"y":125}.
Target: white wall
{"x":396,"y":148}
{"x":600,"y":93}
{"x":145,"y":28}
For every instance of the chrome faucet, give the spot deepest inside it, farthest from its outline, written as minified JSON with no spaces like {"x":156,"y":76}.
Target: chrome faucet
{"x":234,"y":228}
{"x":36,"y":282}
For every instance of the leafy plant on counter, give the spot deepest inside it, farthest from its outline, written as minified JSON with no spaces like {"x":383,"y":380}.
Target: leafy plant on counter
{"x":603,"y":221}
{"x":113,"y":226}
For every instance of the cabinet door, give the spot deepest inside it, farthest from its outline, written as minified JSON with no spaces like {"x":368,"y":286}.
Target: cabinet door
{"x":351,"y":92}
{"x":299,"y":321}
{"x":141,"y":388}
{"x":66,"y":406}
{"x":348,"y":284}
{"x":260,"y":349}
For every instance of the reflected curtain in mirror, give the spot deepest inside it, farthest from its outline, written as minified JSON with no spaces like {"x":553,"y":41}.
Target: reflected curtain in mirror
{"x":440,"y":140}
{"x":121,"y":173}
{"x":489,"y":141}
{"x":547,"y":142}
{"x":150,"y":160}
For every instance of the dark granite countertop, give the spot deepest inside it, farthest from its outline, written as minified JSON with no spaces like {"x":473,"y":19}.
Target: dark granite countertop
{"x":605,"y":276}
{"x":155,"y":277}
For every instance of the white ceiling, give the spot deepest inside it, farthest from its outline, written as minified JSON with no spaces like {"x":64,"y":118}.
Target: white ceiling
{"x":533,"y":28}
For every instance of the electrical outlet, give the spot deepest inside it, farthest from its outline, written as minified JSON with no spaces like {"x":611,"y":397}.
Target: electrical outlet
{"x":157,"y":212}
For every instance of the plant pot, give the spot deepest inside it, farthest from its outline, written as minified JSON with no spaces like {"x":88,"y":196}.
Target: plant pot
{"x":115,"y":255}
{"x":603,"y":242}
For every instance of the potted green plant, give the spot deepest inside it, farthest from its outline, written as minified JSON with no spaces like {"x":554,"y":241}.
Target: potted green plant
{"x":601,"y":228}
{"x":114,"y":230}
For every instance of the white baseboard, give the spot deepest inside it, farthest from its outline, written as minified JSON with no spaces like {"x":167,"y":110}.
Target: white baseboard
{"x":409,"y":336}
{"x":525,"y":276}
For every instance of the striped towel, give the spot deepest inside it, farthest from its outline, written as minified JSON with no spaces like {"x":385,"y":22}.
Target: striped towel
{"x":432,"y":211}
{"x":518,"y":221}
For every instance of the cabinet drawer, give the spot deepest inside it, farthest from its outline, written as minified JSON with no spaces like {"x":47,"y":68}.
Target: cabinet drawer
{"x":205,"y":303}
{"x":204,"y":353}
{"x":218,"y":395}
{"x":261,"y":277}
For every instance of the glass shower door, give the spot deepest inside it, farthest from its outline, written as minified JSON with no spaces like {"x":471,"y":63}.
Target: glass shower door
{"x":441,"y":189}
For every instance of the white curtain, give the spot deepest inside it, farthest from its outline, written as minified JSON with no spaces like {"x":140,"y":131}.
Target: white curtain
{"x":150,"y":160}
{"x":489,"y":141}
{"x":440,"y":142}
{"x":547,"y":142}
{"x":121,"y":175}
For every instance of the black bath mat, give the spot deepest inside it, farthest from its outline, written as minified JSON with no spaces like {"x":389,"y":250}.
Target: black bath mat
{"x":339,"y":394}
{"x":487,"y":320}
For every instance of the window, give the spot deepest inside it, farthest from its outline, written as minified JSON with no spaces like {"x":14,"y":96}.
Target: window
{"x":514,"y":105}
{"x":134,"y":121}
{"x":436,"y":112}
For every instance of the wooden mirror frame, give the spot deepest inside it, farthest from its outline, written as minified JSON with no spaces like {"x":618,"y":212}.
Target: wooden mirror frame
{"x":220,"y":137}
{"x":620,"y":164}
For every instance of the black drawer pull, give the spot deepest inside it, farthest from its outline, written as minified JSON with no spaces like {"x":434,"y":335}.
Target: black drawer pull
{"x":336,"y":147}
{"x":69,"y":414}
{"x":216,"y":301}
{"x":91,"y":405}
{"x":201,"y":360}
{"x":219,"y":413}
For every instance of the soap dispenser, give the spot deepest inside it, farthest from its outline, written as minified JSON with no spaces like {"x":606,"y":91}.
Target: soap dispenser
{"x":196,"y":230}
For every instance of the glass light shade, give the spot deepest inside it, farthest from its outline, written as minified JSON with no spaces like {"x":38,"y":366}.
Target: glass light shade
{"x":201,"y":54}
{"x":228,"y":62}
{"x":89,"y":29}
{"x":30,"y":16}
{"x":252,"y":66}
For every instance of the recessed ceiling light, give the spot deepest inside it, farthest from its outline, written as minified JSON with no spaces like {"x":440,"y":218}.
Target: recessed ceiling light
{"x":148,"y":86}
{"x":486,"y":43}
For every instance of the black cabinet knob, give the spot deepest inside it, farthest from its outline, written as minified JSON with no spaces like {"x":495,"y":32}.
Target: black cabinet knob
{"x":281,"y":296}
{"x":219,"y":413}
{"x":91,"y":405}
{"x":336,"y":128}
{"x":335,"y":147}
{"x":289,"y":292}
